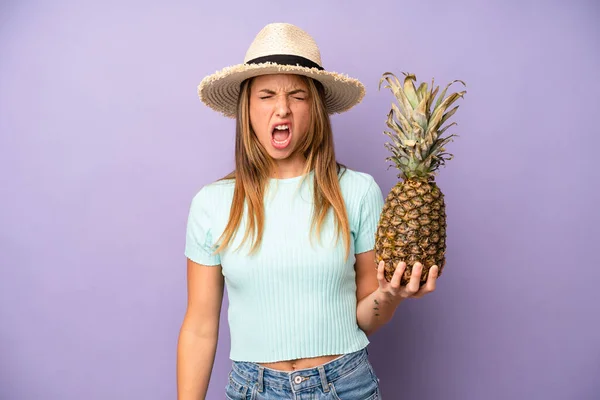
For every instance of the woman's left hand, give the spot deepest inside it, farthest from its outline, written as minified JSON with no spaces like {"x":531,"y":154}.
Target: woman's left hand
{"x":394,"y":292}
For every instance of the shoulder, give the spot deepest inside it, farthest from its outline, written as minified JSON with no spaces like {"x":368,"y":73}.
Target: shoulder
{"x":357,"y":181}
{"x":359,"y":188}
{"x":214,"y":193}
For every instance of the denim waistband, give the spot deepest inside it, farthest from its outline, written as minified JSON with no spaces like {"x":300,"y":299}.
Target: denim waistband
{"x":303,"y":378}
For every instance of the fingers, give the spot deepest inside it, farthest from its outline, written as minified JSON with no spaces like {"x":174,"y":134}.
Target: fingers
{"x":430,"y":284}
{"x":415,"y":279}
{"x":432,"y":278}
{"x":380,"y":276}
{"x":397,"y":278}
{"x":413,"y":288}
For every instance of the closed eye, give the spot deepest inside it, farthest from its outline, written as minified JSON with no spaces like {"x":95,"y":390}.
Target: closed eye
{"x":298,"y":94}
{"x":266,"y":94}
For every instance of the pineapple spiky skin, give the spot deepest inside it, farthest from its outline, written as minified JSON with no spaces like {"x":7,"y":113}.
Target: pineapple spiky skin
{"x":412,"y":228}
{"x":412,"y":224}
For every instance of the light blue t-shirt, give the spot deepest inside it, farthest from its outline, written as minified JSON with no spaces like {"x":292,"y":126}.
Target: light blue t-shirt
{"x":293,"y":298}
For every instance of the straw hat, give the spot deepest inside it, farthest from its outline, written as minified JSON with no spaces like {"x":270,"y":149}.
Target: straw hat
{"x":279,"y":48}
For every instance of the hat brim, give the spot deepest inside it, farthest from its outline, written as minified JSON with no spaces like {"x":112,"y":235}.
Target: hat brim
{"x":220,"y":90}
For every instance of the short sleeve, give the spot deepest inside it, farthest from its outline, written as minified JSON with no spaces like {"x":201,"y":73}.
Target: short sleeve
{"x":199,"y":233}
{"x":371,"y":206}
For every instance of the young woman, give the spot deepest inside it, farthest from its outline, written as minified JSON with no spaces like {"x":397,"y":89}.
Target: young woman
{"x":290,"y":233}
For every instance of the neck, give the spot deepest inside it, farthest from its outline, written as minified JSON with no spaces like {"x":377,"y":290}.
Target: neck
{"x":288,"y":168}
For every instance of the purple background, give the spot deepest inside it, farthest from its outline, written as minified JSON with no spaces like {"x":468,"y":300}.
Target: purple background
{"x":104,"y":142}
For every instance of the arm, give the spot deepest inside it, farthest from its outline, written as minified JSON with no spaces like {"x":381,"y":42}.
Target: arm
{"x":373,"y":308}
{"x":199,"y":331}
{"x":378,"y":299}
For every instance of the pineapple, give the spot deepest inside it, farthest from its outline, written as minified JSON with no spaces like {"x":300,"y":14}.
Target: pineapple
{"x":412,"y":225}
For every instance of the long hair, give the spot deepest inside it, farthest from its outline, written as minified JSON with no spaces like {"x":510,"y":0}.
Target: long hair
{"x":253,"y":166}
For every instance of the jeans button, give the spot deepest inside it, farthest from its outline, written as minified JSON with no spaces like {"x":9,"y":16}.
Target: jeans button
{"x":297,"y":380}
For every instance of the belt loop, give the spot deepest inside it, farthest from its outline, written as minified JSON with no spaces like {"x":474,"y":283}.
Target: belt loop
{"x":324,"y":382}
{"x":261,"y":370}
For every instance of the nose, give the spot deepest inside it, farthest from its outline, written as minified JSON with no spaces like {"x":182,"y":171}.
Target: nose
{"x":282,"y":107}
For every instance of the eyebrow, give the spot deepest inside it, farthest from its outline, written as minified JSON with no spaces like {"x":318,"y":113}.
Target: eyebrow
{"x":292,"y":92}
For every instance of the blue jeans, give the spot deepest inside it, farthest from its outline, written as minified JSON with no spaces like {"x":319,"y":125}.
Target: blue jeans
{"x":349,"y":377}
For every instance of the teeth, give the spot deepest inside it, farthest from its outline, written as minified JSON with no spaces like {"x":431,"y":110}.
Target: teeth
{"x":281,"y":127}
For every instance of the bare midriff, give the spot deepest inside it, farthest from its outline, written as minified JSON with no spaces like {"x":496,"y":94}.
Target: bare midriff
{"x":302,"y":363}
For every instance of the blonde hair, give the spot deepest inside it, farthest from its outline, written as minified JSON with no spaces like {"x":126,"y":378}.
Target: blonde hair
{"x":253,"y":166}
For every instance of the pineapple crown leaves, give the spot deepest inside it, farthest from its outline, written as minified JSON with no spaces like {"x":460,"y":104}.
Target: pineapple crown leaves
{"x":416,"y":125}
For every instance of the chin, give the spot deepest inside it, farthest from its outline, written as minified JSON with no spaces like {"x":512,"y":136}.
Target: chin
{"x":280,"y":155}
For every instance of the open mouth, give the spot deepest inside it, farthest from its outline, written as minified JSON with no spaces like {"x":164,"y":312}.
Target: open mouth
{"x":281,"y":136}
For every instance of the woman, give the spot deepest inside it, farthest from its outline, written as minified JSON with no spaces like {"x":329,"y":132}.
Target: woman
{"x":290,"y":233}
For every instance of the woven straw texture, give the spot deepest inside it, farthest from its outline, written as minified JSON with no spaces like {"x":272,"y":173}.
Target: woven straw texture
{"x":220,"y":90}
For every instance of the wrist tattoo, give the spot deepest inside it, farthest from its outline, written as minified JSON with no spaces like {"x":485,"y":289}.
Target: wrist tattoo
{"x":376,"y":308}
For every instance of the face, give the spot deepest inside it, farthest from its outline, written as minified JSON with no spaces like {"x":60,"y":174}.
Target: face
{"x":279,"y":114}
